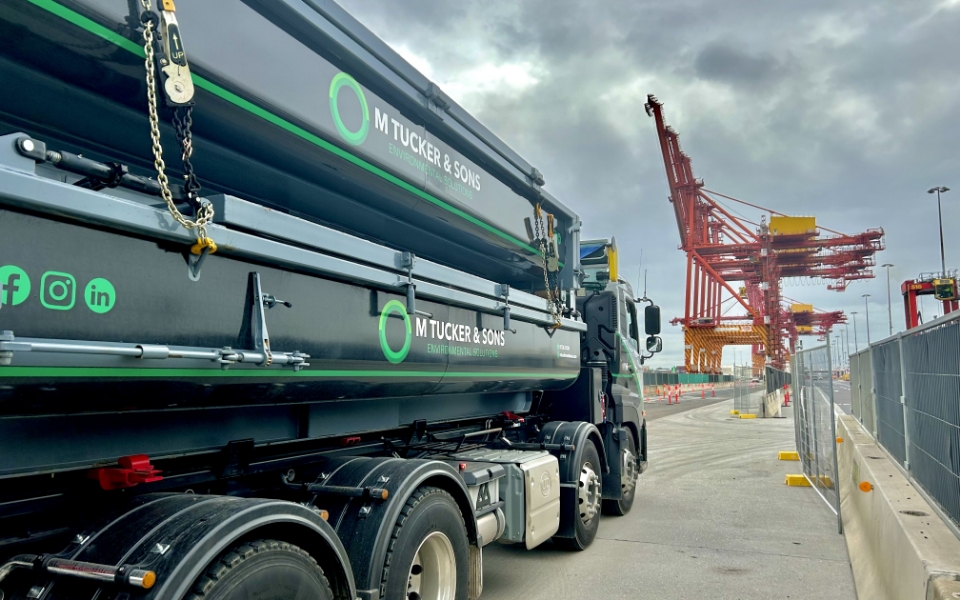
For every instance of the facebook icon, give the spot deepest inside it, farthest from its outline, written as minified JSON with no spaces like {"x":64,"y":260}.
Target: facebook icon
{"x":14,"y":285}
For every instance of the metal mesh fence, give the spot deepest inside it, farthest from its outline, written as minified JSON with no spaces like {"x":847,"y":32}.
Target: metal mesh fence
{"x":931,"y":390}
{"x":660,"y":378}
{"x":887,"y":384}
{"x":776,"y":379}
{"x":911,"y":383}
{"x":747,"y":397}
{"x":861,"y":390}
{"x":814,"y":423}
{"x":856,"y":408}
{"x":671,"y":378}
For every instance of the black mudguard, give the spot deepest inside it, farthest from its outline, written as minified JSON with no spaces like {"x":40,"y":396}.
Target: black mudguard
{"x":576,"y":433}
{"x":366,"y":525}
{"x":178,"y":535}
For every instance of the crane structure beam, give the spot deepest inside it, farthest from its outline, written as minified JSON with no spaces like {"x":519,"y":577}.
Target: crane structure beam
{"x":724,"y":249}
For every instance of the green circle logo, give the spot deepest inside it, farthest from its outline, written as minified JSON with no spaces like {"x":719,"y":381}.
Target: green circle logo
{"x":354,"y":137}
{"x":100,"y":296}
{"x":395,"y":357}
{"x":15,"y":285}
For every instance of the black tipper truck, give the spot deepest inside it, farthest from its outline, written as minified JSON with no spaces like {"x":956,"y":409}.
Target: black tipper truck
{"x":286,"y":320}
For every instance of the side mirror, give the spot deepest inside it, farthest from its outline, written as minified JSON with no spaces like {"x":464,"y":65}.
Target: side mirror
{"x":651,"y":318}
{"x":654,"y":344}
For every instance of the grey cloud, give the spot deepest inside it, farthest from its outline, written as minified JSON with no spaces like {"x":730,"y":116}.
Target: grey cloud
{"x":724,"y":61}
{"x":838,"y":108}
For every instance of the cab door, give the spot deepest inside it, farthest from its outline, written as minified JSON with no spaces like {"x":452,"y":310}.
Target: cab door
{"x":630,"y":373}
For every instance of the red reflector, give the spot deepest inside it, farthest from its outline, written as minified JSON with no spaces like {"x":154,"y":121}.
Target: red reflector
{"x":463,"y":466}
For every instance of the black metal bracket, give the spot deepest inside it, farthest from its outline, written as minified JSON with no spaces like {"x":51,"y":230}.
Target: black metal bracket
{"x":319,"y":489}
{"x":503,"y":291}
{"x":236,"y":458}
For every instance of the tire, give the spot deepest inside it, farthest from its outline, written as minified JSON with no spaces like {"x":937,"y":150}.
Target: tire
{"x":428,"y":557}
{"x":628,"y":486}
{"x":263,"y":569}
{"x":589,"y":489}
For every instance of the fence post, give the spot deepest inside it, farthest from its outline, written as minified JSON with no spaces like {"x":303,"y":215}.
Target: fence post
{"x":833,"y":434}
{"x":903,"y":404}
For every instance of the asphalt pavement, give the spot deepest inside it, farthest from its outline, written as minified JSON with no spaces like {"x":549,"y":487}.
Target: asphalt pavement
{"x":713,"y":519}
{"x":657,"y":408}
{"x":841,"y":395}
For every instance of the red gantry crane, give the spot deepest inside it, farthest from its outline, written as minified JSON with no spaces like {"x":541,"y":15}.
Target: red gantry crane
{"x":723,"y":249}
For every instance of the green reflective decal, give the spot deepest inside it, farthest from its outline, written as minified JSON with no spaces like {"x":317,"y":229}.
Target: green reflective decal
{"x":395,"y":356}
{"x":58,"y":291}
{"x":15,"y":285}
{"x":100,"y":296}
{"x":353,"y":137}
{"x":158,"y":373}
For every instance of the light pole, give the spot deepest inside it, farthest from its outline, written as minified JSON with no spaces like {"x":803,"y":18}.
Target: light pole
{"x":866,"y":304}
{"x":845,"y":347}
{"x":940,"y":190}
{"x":889,"y":305}
{"x":856,"y":342}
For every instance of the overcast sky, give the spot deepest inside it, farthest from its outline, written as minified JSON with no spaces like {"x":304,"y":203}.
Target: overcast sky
{"x":844,"y":109}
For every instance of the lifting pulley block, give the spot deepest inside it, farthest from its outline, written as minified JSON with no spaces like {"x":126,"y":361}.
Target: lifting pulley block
{"x":543,"y":236}
{"x":177,"y":84}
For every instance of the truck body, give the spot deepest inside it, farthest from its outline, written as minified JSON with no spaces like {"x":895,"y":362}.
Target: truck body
{"x":398,"y":352}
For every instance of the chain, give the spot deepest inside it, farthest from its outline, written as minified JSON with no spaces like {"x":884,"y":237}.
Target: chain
{"x":553,"y":289}
{"x":183,"y":126}
{"x":204,"y":211}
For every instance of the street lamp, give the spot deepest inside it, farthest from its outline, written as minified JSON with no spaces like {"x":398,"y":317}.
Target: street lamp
{"x":866,"y":303}
{"x":856,"y":343}
{"x":889,"y":305}
{"x":940,"y":190}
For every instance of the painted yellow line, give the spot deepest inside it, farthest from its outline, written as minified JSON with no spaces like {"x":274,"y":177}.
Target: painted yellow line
{"x":788,"y":455}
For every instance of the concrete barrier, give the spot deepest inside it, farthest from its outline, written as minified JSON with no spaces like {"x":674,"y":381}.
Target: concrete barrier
{"x":772,"y":404}
{"x":900,"y":549}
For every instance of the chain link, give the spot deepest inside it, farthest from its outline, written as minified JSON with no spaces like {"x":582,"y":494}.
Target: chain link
{"x":183,"y":126}
{"x":553,"y":288}
{"x":204,"y":211}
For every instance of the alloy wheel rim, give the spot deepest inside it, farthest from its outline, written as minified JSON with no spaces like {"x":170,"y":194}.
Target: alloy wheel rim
{"x":433,"y":573}
{"x":589,"y":493}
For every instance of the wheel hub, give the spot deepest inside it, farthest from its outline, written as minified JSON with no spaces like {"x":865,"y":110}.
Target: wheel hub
{"x":589,"y":493}
{"x":433,"y":573}
{"x":629,"y":471}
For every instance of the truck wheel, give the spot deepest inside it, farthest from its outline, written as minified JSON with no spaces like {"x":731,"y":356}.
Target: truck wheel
{"x":629,"y":473}
{"x":263,"y":569}
{"x":589,"y":490}
{"x":428,"y":555}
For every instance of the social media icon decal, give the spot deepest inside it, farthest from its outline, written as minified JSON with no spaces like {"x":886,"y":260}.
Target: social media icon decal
{"x":100,"y":296}
{"x":58,"y":291}
{"x":15,"y":285}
